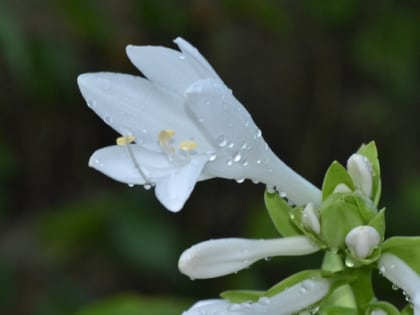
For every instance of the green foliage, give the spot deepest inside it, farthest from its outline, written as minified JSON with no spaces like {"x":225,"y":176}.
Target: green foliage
{"x":131,"y":304}
{"x":279,"y":211}
{"x":336,"y":175}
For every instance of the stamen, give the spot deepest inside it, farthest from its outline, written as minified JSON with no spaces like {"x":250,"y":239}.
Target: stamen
{"x":124,"y":141}
{"x":165,"y":137}
{"x":121,"y":141}
{"x":187,"y":145}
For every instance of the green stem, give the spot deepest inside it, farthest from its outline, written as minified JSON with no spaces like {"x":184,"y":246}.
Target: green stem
{"x":362,"y":288}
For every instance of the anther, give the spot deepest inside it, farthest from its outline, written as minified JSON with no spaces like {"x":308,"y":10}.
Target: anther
{"x":187,"y":145}
{"x":125,"y":140}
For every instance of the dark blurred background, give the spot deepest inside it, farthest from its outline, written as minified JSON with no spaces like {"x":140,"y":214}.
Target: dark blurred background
{"x":319,"y":78}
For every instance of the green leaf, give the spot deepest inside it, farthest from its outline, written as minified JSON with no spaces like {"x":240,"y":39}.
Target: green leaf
{"x":279,"y":211}
{"x":338,"y":216}
{"x":407,"y":310}
{"x":378,"y":222}
{"x":292,"y":280}
{"x":240,"y":296}
{"x":405,"y":247}
{"x":369,"y":150}
{"x":129,"y":304}
{"x":336,"y":310}
{"x":336,"y":174}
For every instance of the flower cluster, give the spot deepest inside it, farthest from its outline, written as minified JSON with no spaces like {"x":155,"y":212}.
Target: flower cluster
{"x":181,"y":124}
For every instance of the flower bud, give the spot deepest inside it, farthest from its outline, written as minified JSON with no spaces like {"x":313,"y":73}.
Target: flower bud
{"x":215,"y":258}
{"x":362,"y":240}
{"x":360,"y":171}
{"x":310,"y":218}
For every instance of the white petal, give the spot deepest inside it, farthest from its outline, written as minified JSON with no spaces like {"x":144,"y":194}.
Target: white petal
{"x":220,"y":257}
{"x":134,"y":106}
{"x":199,"y":63}
{"x":174,"y":189}
{"x":122,"y":165}
{"x":228,"y":126}
{"x":164,"y":66}
{"x":402,"y":275}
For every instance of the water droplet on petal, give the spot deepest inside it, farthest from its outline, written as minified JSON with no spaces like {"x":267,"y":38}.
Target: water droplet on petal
{"x":258,"y":133}
{"x":212,"y":157}
{"x":108,"y":119}
{"x":182,"y":57}
{"x":245,"y":163}
{"x":258,"y":161}
{"x":147,"y":186}
{"x":264,"y":300}
{"x":395,"y":287}
{"x":237,"y":157}
{"x":234,"y":308}
{"x":221,"y":141}
{"x":240,"y":180}
{"x":130,"y":185}
{"x":229,"y":162}
{"x":91,"y":103}
{"x":231,"y":145}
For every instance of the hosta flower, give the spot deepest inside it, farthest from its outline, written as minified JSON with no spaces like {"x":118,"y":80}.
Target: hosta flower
{"x":220,"y":257}
{"x":403,"y":276}
{"x":179,"y":125}
{"x":294,"y":299}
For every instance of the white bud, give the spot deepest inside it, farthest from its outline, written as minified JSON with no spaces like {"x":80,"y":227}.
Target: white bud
{"x":215,"y":258}
{"x":310,"y":218}
{"x":360,"y":171}
{"x":341,"y":188}
{"x":362,"y":240}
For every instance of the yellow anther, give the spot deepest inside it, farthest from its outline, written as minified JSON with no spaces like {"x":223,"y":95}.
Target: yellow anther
{"x":187,"y":145}
{"x":164,"y":136}
{"x":125,"y":140}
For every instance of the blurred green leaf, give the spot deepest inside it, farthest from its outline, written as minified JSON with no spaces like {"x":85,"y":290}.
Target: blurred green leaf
{"x":69,"y":231}
{"x":130,"y":304}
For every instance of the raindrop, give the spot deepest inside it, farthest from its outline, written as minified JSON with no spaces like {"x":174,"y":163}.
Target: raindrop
{"x":182,"y":57}
{"x":244,"y":146}
{"x":212,"y":157}
{"x":234,"y":307}
{"x":307,"y":284}
{"x":255,"y":181}
{"x":395,"y":287}
{"x":147,"y":186}
{"x":246,"y":123}
{"x":349,"y":262}
{"x":267,"y":258}
{"x":270,"y":189}
{"x":231,"y":145}
{"x":240,"y":180}
{"x":264,"y":300}
{"x":130,"y":185}
{"x":221,"y":141}
{"x":237,"y":157}
{"x":108,"y":119}
{"x":258,"y":161}
{"x":229,"y":162}
{"x":283,"y":195}
{"x":244,"y":163}
{"x":382,"y":269}
{"x":258,"y":134}
{"x":91,"y":103}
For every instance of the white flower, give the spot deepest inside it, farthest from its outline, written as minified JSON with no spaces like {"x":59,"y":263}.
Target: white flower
{"x":179,"y":126}
{"x":295,"y":298}
{"x":402,"y":275}
{"x":362,"y":240}
{"x":310,"y":218}
{"x":215,"y":258}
